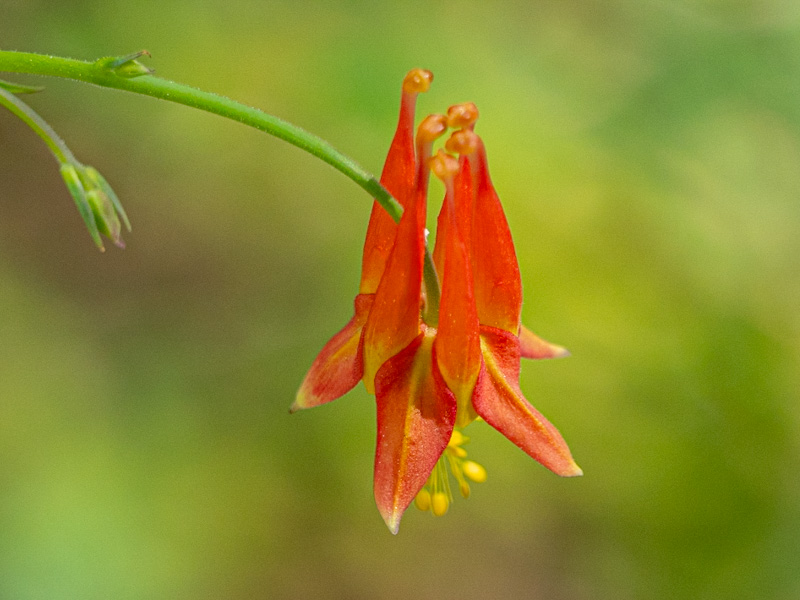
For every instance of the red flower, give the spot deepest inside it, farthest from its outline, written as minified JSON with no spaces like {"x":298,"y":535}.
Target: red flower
{"x":437,"y":364}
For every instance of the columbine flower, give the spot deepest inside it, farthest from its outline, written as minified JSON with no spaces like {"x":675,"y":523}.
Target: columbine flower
{"x":437,"y":365}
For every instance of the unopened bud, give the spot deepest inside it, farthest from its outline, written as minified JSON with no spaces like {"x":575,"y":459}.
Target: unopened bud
{"x":417,"y":81}
{"x":97,"y":203}
{"x":97,"y":180}
{"x":73,"y":180}
{"x":105,"y":217}
{"x":126,"y":66}
{"x":462,"y":115}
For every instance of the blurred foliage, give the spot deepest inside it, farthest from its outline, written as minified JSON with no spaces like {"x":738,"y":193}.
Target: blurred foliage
{"x":648,"y":157}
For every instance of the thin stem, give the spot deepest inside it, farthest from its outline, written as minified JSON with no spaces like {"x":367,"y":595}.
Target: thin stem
{"x":100,"y":74}
{"x":433,"y":293}
{"x":35,"y":122}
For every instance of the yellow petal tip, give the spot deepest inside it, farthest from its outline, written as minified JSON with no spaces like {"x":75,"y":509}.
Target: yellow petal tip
{"x":393,"y":523}
{"x":561,"y":352}
{"x":575,"y":472}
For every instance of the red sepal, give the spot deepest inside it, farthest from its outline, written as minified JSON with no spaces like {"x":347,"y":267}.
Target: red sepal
{"x":499,"y":401}
{"x":534,"y":347}
{"x":339,"y":366}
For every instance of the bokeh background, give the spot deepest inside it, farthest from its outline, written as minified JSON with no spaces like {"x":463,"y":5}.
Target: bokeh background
{"x":648,"y":156}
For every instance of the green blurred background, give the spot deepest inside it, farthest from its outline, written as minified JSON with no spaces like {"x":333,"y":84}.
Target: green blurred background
{"x":648,"y":156}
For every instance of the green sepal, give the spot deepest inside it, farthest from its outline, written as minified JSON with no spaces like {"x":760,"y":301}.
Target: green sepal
{"x":99,"y":181}
{"x":71,"y":177}
{"x":105,"y":216}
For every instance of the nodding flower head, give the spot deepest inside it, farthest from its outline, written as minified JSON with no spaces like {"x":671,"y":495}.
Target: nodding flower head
{"x":434,"y":374}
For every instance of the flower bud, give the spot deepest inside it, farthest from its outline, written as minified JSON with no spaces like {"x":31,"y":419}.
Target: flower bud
{"x":105,"y":217}
{"x":126,"y":66}
{"x":100,"y":182}
{"x":97,"y":203}
{"x":73,"y":180}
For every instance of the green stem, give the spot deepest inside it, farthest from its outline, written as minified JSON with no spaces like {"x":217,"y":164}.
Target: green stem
{"x":433,"y":293}
{"x":99,"y":74}
{"x":35,"y":122}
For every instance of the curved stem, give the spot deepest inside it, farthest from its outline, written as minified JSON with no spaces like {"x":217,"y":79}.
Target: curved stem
{"x":39,"y":125}
{"x":100,"y":74}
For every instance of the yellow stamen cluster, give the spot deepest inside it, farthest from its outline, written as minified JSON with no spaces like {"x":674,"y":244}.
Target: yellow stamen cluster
{"x":436,"y":495}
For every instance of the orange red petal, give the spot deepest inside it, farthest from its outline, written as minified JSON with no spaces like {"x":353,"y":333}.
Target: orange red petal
{"x":499,"y":401}
{"x":416,"y":415}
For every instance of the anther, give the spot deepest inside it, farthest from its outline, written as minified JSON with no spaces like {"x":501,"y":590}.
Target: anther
{"x":440,"y":504}
{"x":463,"y":487}
{"x":423,"y":500}
{"x":463,"y":141}
{"x":473,"y":471}
{"x":432,"y":127}
{"x":462,"y":115}
{"x":417,"y":81}
{"x":456,"y":439}
{"x":459,"y":452}
{"x":443,"y":165}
